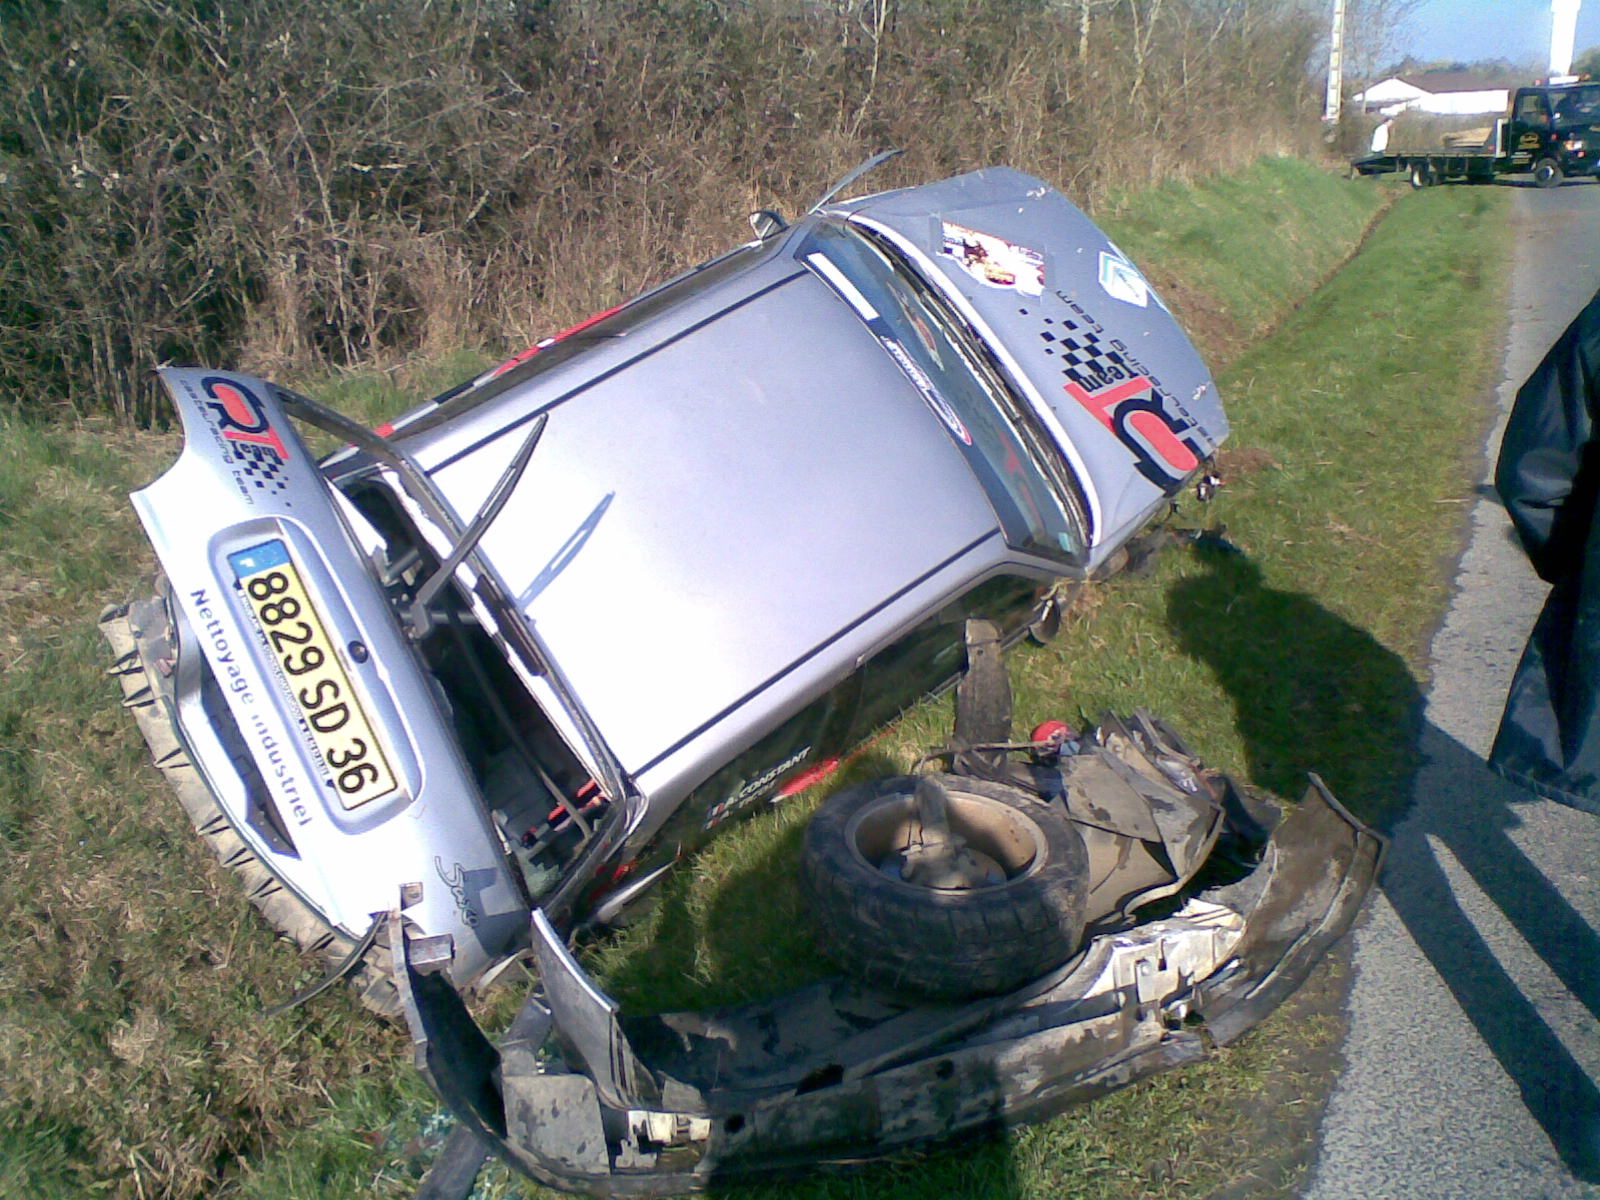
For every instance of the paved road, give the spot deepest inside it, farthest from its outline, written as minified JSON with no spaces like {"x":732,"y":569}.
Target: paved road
{"x":1474,"y":1045}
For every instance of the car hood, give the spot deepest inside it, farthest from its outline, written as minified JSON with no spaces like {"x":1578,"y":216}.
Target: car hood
{"x":1076,"y":325}
{"x":770,"y":460}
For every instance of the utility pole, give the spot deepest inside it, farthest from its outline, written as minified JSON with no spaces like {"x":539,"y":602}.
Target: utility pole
{"x":1330,"y":110}
{"x":1563,"y":33}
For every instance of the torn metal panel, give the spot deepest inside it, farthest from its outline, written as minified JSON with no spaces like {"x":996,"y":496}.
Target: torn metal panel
{"x":837,"y":1072}
{"x":586,"y":1020}
{"x":1302,"y":908}
{"x":449,"y":1049}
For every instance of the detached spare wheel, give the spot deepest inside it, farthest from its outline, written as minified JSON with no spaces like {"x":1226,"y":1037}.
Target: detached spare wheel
{"x":944,"y":885}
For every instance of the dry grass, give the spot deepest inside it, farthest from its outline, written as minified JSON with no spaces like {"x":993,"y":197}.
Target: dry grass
{"x":415,"y":177}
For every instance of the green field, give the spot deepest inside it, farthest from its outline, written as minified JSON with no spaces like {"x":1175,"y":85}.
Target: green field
{"x":135,"y":1059}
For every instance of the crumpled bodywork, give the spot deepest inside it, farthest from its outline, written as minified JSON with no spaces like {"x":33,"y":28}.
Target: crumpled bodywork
{"x":424,"y":659}
{"x":586,"y":1099}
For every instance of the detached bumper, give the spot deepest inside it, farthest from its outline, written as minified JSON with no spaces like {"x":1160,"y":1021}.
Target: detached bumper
{"x":584,"y":1099}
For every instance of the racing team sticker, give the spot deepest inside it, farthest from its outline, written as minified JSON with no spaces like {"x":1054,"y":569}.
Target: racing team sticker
{"x":1109,"y":382}
{"x":994,"y":261}
{"x":242,"y":426}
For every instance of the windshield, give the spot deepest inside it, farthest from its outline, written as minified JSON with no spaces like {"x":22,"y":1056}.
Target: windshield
{"x":1579,"y":106}
{"x":1025,"y":478}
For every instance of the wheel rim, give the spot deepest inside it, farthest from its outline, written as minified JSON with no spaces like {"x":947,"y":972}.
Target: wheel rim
{"x":887,"y":827}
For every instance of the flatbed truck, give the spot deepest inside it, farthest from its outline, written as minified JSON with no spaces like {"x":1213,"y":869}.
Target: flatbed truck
{"x":1551,"y":131}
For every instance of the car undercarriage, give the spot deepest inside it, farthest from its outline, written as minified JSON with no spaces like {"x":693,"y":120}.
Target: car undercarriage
{"x":583,"y":1097}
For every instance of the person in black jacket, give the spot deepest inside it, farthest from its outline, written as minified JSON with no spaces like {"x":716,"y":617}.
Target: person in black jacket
{"x":1549,"y":478}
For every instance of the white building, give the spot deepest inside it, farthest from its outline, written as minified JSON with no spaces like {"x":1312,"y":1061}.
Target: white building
{"x":1453,"y":92}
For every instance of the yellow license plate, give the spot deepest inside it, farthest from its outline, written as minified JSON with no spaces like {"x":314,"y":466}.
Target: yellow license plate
{"x":314,"y":674}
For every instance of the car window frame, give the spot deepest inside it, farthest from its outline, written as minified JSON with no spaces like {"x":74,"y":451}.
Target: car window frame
{"x":1044,"y":461}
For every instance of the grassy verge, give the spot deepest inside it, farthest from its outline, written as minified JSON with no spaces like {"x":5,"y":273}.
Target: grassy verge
{"x":133,"y":1057}
{"x":1233,"y":255}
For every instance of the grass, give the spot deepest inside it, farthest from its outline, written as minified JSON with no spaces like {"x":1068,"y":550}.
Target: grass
{"x":134,"y":1059}
{"x":1234,"y":254}
{"x":133,"y":1055}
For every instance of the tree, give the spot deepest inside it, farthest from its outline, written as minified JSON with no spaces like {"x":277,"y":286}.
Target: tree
{"x":1373,"y":31}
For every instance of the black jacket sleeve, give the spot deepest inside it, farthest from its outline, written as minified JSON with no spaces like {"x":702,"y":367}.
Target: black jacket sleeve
{"x":1549,"y":468}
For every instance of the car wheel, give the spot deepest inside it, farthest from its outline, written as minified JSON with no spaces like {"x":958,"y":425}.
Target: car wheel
{"x":1547,"y":172}
{"x":943,"y":885}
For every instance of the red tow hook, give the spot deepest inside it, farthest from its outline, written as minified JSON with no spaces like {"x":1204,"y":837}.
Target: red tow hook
{"x":1049,"y":738}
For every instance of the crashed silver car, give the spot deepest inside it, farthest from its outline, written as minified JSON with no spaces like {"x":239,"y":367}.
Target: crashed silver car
{"x":478,"y":680}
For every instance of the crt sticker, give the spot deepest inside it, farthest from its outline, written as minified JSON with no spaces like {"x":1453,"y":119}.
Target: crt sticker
{"x":994,"y":261}
{"x":239,"y":415}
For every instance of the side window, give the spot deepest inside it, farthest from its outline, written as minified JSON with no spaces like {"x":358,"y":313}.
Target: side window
{"x":934,"y":653}
{"x":1530,"y":109}
{"x":1007,"y":600}
{"x":902,"y":673}
{"x":814,"y":734}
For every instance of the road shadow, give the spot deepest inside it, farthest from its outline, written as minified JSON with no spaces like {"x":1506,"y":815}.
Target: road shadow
{"x":1465,"y":809}
{"x":1314,"y":692}
{"x":1569,"y":181}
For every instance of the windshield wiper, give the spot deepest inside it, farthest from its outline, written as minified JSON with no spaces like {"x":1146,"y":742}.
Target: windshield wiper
{"x":469,"y":539}
{"x":420,"y":488}
{"x":416,"y":484}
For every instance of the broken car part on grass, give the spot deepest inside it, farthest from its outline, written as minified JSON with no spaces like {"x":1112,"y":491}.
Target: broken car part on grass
{"x":584,"y":1098}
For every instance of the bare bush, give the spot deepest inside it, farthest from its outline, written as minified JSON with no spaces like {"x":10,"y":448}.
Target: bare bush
{"x":284,"y":185}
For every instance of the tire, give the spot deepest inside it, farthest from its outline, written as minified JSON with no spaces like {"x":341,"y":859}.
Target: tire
{"x":1423,"y":175}
{"x":372,"y":978}
{"x":946,"y":944}
{"x":1547,"y":173}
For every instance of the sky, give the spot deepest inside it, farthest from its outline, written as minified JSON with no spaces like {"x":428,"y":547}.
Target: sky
{"x":1518,"y":30}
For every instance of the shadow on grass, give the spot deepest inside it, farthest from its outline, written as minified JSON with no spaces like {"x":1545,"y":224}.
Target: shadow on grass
{"x":1311,"y":691}
{"x":1314,"y":692}
{"x":728,"y":924}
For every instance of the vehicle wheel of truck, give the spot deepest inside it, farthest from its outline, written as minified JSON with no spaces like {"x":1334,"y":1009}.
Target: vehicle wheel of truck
{"x":943,"y":885}
{"x":1423,"y":175}
{"x":1547,"y":172}
{"x":373,"y":977}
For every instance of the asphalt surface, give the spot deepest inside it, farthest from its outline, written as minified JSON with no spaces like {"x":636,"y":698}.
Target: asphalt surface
{"x":1473,"y":1053}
